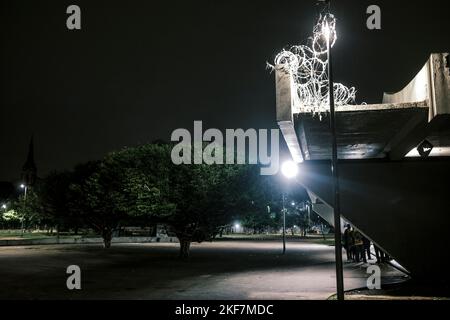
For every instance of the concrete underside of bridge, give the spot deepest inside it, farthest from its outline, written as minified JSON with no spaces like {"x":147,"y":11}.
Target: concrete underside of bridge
{"x":402,"y":206}
{"x":398,"y":201}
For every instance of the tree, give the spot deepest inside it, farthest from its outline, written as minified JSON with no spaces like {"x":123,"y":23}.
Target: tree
{"x":97,"y":196}
{"x":10,"y":219}
{"x":142,"y":185}
{"x":262,"y":197}
{"x":194,"y":201}
{"x":206,"y":196}
{"x":28,"y":208}
{"x":145,"y":174}
{"x":128,"y":185}
{"x":295,"y":216}
{"x":54,"y":193}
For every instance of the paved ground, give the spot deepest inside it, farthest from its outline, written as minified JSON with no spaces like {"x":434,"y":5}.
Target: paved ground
{"x":220,"y":270}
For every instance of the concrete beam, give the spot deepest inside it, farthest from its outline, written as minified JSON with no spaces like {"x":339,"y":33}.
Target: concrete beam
{"x":303,"y":139}
{"x":285,"y":96}
{"x":410,"y":135}
{"x":432,"y":85}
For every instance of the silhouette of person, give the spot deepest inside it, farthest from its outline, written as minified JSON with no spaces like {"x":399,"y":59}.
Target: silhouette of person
{"x":366,"y":249}
{"x":348,"y":241}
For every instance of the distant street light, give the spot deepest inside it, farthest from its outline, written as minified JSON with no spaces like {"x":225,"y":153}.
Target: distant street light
{"x":25,"y":189}
{"x":292,"y":203}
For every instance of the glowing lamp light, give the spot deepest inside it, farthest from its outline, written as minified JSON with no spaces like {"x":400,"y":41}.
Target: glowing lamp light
{"x":22,"y":186}
{"x":289,"y":169}
{"x":3,"y":206}
{"x":326,"y":31}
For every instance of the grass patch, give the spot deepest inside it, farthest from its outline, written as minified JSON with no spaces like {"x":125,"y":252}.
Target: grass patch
{"x":17,"y":234}
{"x":313,"y":238}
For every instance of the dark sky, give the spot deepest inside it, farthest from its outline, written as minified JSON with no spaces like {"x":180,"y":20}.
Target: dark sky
{"x":140,"y":69}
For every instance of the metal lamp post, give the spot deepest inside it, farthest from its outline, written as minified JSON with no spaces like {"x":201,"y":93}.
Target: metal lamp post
{"x":284,"y":225}
{"x":306,"y":67}
{"x":23,"y":186}
{"x":335,"y":174}
{"x":290,"y":170}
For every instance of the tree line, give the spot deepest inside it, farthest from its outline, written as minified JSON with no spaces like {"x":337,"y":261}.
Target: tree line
{"x":141,"y":186}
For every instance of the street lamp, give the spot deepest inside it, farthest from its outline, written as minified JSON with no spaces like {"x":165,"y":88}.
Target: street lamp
{"x":290,"y":170}
{"x":4,"y":206}
{"x":327,"y":24}
{"x":308,"y":69}
{"x":25,"y":189}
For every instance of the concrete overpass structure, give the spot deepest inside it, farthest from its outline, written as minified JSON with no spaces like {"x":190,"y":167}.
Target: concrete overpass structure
{"x":395,"y":197}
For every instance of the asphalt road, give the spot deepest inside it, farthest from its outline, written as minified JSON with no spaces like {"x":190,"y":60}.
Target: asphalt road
{"x":219,"y":270}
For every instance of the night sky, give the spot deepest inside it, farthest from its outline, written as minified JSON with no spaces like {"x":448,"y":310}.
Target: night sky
{"x":137,"y":70}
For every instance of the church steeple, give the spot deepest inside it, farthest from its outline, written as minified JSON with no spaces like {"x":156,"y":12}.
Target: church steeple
{"x":29,"y":169}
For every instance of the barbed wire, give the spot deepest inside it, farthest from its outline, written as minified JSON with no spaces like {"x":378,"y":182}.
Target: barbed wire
{"x":308,"y":66}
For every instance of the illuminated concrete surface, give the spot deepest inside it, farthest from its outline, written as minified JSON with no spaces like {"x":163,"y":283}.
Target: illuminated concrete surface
{"x":219,"y":270}
{"x":421,"y":110}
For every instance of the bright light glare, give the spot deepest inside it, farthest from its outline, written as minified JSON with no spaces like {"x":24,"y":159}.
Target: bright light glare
{"x":292,"y":203}
{"x":4,"y":206}
{"x":326,"y":30}
{"x":237,"y":225}
{"x":289,"y":169}
{"x":22,"y":186}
